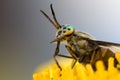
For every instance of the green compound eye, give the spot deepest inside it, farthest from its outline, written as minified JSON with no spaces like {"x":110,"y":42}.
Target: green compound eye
{"x":70,"y":27}
{"x":67,"y":29}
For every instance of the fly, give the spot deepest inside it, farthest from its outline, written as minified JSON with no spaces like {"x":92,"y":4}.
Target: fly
{"x":81,"y":46}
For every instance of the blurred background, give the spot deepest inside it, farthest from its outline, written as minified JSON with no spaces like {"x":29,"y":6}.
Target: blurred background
{"x":25,"y":33}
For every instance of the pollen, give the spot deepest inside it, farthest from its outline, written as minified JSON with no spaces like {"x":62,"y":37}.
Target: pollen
{"x":80,"y":72}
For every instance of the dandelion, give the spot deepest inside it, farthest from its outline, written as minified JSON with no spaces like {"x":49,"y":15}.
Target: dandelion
{"x":80,"y":72}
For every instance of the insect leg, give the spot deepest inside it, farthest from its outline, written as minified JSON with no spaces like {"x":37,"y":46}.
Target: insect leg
{"x":56,"y":54}
{"x":73,"y":56}
{"x":70,"y":51}
{"x":73,"y":63}
{"x":64,"y":56}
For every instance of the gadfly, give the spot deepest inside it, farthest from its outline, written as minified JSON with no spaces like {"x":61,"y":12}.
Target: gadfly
{"x":81,"y":46}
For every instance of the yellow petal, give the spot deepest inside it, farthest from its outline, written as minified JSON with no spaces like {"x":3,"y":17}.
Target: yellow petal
{"x":80,"y":71}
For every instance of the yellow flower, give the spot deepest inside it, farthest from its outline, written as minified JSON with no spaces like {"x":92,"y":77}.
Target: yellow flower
{"x":80,"y":72}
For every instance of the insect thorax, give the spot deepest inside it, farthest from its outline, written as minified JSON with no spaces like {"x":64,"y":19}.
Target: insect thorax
{"x":78,"y":45}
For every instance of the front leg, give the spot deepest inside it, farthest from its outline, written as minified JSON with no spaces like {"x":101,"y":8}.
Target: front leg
{"x":73,"y":56}
{"x":76,"y":58}
{"x":57,"y":54}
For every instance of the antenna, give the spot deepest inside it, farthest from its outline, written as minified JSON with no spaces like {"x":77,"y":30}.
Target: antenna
{"x":55,"y":22}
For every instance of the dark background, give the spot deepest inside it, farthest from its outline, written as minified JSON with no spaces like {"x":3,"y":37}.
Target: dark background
{"x":25,"y":33}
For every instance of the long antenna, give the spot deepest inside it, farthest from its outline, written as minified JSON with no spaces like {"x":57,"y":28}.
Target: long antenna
{"x":55,"y":24}
{"x":54,"y":17}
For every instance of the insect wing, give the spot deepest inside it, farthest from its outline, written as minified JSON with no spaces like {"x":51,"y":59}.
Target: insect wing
{"x":85,"y":35}
{"x":114,"y":47}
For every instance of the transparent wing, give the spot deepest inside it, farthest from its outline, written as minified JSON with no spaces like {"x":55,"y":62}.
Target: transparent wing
{"x":114,"y":47}
{"x":85,"y":35}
